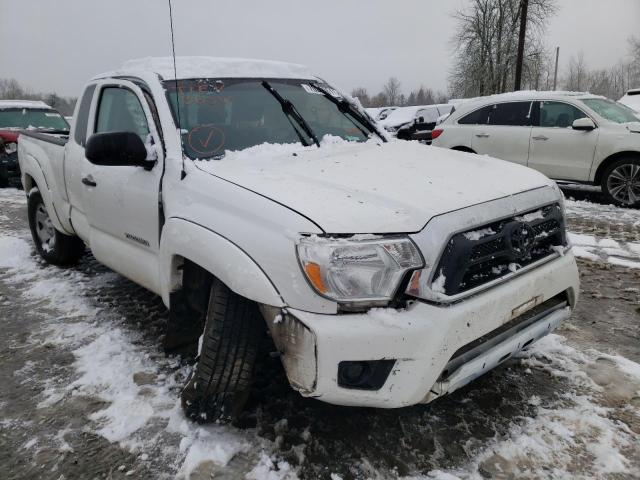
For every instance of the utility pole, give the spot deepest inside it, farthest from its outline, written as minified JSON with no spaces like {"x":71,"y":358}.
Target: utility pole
{"x":524,"y":6}
{"x":555,"y":73}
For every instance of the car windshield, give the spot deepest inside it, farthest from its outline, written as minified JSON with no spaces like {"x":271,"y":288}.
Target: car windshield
{"x":217,"y":116}
{"x":610,"y":110}
{"x":24,"y":118}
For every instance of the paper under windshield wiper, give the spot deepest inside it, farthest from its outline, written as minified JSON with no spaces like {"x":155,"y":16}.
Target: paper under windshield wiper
{"x":291,"y":112}
{"x":345,"y":107}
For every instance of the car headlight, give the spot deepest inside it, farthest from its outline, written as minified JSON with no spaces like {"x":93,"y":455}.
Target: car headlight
{"x":560,"y":194}
{"x":357,"y":270}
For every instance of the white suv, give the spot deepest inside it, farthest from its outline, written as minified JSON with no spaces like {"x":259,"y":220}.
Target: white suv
{"x":568,"y":136}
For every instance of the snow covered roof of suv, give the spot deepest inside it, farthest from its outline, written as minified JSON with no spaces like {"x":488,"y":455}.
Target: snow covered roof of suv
{"x":23,"y":104}
{"x":465,"y":105}
{"x":211,"y":67}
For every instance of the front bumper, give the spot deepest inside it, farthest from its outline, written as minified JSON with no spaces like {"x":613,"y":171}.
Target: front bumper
{"x":422,"y":339}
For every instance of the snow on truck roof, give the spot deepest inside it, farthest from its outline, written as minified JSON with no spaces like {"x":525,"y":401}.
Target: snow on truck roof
{"x":211,"y":67}
{"x":23,"y":104}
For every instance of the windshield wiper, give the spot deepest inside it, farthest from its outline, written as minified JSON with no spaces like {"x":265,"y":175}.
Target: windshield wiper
{"x":345,"y":107}
{"x":291,"y":112}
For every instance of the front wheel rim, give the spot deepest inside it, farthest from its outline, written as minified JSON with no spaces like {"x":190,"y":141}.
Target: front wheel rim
{"x":623,"y":183}
{"x":44,"y":229}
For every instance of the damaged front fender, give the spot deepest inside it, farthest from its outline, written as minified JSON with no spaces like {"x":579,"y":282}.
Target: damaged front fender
{"x":297,"y":346}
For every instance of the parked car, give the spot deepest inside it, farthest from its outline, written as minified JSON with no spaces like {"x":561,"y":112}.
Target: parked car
{"x":415,"y":123}
{"x":16,"y":115}
{"x":379,"y":113}
{"x":385,"y":277}
{"x":568,"y":136}
{"x":632,"y":99}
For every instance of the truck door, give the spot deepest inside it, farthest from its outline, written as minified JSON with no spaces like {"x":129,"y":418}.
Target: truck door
{"x":122,"y":202}
{"x":76,"y":165}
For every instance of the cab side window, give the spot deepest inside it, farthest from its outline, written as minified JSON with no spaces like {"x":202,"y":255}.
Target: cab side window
{"x":559,"y":114}
{"x":120,"y":111}
{"x":511,"y":113}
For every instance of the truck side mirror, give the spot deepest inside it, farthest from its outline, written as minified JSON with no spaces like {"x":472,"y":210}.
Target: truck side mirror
{"x":585,"y":124}
{"x":117,"y":149}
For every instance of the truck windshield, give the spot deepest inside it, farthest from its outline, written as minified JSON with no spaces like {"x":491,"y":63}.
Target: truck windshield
{"x":233,"y":114}
{"x":610,"y":110}
{"x":24,"y":118}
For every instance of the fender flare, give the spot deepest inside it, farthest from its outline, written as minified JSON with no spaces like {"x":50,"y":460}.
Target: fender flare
{"x":184,"y":239}
{"x":29,"y":166}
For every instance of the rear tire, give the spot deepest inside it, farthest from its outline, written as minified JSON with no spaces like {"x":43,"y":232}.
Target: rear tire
{"x":220,"y":383}
{"x":52,"y":245}
{"x":621,"y":182}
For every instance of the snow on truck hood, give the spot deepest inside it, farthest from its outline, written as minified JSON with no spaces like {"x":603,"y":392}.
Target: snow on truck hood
{"x":372,"y":187}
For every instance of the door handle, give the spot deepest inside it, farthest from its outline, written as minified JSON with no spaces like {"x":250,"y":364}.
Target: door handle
{"x":540,"y":137}
{"x":482,"y":135}
{"x":89,"y":181}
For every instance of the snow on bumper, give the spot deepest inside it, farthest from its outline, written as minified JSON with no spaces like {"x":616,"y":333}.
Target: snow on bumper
{"x":422,"y":339}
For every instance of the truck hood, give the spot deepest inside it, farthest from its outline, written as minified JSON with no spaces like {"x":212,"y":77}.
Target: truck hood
{"x":372,"y":187}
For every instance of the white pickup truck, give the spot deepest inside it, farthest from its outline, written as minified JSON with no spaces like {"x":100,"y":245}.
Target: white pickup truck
{"x":389,"y":273}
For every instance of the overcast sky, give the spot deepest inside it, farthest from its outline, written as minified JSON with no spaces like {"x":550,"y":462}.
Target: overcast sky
{"x":59,"y":45}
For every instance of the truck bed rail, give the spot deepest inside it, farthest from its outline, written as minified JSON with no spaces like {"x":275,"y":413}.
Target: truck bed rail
{"x":58,"y":137}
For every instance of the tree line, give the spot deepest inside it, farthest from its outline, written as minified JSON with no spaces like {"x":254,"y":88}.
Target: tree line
{"x":611,"y":82}
{"x":485,"y":48}
{"x":485,"y":44}
{"x":10,"y":89}
{"x":392,"y":94}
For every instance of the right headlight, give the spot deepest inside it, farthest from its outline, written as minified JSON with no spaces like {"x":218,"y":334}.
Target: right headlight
{"x":352,"y":271}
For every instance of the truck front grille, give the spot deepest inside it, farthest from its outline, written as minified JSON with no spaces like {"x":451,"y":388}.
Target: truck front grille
{"x":486,"y":253}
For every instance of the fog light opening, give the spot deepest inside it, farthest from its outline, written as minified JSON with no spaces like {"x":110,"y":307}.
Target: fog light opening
{"x":364,"y":374}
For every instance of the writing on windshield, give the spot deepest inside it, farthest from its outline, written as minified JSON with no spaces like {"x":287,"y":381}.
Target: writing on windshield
{"x":219,"y":115}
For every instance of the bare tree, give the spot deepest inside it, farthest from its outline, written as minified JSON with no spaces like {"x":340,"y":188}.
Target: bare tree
{"x":391,"y":91}
{"x":361,"y":94}
{"x":486,"y":43}
{"x":10,"y":89}
{"x":577,"y":73}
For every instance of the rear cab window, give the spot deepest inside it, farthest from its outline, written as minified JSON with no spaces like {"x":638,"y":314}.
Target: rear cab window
{"x":80,"y":127}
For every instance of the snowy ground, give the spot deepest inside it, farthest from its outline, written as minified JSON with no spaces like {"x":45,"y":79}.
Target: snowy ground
{"x":88,"y":393}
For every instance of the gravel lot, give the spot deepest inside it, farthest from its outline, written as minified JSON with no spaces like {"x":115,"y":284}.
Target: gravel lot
{"x":88,"y":393}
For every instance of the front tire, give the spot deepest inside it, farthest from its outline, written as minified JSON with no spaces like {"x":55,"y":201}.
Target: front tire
{"x":220,"y":383}
{"x":621,"y":182}
{"x":52,"y":245}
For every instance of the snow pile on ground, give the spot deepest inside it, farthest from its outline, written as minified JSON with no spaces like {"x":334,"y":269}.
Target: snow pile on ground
{"x":141,"y":387}
{"x":609,"y":214}
{"x":606,"y":250}
{"x":583,"y":427}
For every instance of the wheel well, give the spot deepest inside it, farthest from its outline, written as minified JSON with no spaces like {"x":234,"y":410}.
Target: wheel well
{"x":29,"y":183}
{"x":463,"y":149}
{"x":609,"y":160}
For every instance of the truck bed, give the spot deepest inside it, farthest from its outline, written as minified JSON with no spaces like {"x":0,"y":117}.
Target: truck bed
{"x":57,"y":137}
